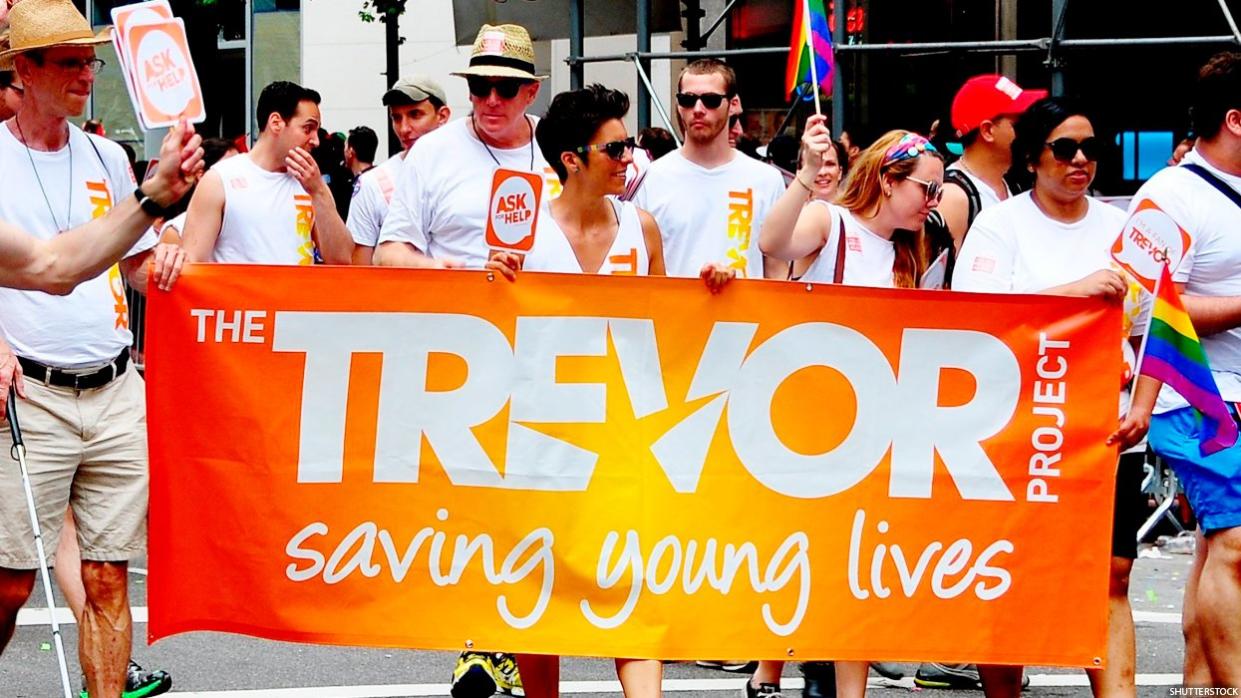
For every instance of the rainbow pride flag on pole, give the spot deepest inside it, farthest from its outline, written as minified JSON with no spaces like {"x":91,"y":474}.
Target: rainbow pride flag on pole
{"x":1173,"y":354}
{"x":810,"y":28}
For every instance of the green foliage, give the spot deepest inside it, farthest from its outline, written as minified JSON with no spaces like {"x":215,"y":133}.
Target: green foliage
{"x":381,"y":9}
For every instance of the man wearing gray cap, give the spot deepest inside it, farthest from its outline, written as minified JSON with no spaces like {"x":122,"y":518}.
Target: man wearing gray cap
{"x":416,"y":106}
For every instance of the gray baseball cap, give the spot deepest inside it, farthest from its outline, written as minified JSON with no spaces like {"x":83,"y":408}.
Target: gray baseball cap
{"x":412,"y":90}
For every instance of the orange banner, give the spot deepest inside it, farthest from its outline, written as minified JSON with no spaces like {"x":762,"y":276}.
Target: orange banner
{"x":631,"y":467}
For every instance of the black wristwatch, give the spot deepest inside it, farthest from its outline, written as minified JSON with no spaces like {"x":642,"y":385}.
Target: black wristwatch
{"x":148,"y":205}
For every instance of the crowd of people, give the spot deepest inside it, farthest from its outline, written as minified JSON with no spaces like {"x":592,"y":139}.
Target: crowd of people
{"x":1012,"y":214}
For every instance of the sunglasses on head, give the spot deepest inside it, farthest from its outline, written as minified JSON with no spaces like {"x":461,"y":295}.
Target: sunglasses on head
{"x":1065,"y":149}
{"x":615,"y":149}
{"x":934,"y":189}
{"x":710,"y":100}
{"x":506,"y":89}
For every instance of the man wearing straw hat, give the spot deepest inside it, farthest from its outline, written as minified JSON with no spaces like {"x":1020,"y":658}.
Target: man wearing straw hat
{"x":84,"y":416}
{"x":439,"y":211}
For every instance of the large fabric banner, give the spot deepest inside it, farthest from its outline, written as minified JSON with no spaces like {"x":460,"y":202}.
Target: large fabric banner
{"x":631,"y":467}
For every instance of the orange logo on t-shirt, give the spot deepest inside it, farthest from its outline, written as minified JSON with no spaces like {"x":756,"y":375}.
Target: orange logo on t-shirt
{"x":624,"y":264}
{"x":740,"y":215}
{"x":100,"y":197}
{"x":305,"y":224}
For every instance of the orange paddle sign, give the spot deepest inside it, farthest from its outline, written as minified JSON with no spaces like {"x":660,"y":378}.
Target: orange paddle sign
{"x":1149,"y":240}
{"x":631,"y":467}
{"x":513,"y":212}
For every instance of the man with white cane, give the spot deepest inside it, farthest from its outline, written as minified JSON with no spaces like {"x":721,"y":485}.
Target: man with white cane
{"x":84,"y":418}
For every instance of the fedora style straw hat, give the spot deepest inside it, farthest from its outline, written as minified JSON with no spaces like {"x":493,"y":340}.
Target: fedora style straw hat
{"x":501,"y":51}
{"x":38,"y":24}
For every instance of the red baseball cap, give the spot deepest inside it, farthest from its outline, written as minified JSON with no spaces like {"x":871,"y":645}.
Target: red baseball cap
{"x":986,"y":97}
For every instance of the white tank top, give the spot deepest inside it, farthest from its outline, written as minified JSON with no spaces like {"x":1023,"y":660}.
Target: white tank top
{"x":268,"y":216}
{"x":626,"y":257}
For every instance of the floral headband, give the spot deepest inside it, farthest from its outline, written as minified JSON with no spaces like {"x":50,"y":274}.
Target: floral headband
{"x":910,"y":146}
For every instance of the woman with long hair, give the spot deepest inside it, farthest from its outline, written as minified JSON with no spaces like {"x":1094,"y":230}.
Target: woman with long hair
{"x":867,"y":238}
{"x":1056,"y":239}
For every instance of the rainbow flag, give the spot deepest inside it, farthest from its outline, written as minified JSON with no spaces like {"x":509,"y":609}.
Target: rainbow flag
{"x":805,"y":30}
{"x":1175,"y":356}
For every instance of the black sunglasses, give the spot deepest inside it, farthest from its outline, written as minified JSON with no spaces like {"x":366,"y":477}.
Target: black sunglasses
{"x":506,"y":89}
{"x":732,"y":120}
{"x":1065,"y":149}
{"x":615,"y":149}
{"x":710,"y":100}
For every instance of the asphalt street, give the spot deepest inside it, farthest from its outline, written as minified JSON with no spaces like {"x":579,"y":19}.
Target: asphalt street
{"x":214,"y":665}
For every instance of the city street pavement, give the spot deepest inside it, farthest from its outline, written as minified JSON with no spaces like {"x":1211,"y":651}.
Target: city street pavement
{"x":214,"y":665}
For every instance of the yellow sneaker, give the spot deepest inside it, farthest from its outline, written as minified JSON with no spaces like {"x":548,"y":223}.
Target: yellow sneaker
{"x":474,"y":676}
{"x":508,"y":679}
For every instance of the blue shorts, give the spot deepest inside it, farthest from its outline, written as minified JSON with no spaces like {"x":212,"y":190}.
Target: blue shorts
{"x":1212,"y":483}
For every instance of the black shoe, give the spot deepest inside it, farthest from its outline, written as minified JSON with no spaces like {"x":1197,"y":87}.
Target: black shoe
{"x":764,"y":690}
{"x":820,"y":680}
{"x":140,"y":683}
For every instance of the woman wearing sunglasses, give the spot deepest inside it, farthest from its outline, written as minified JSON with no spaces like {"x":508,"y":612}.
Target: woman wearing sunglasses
{"x":586,"y":230}
{"x":1056,"y":239}
{"x":867,"y":238}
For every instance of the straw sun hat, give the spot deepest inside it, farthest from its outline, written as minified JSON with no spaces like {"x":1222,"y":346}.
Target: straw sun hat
{"x":39,"y":24}
{"x":501,"y":51}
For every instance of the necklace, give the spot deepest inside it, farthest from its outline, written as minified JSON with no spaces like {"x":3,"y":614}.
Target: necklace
{"x":46,"y":200}
{"x":493,"y":155}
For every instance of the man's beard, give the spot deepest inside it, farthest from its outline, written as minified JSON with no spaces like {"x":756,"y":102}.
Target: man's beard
{"x":702,"y":138}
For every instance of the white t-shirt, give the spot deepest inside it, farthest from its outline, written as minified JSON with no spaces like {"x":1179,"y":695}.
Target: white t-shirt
{"x":268,"y":216}
{"x":627,"y":255}
{"x":1212,"y":264}
{"x":1012,"y":247}
{"x":986,"y":195}
{"x":63,"y":190}
{"x":372,"y":195}
{"x":868,"y":257}
{"x":710,"y":215}
{"x":444,"y":191}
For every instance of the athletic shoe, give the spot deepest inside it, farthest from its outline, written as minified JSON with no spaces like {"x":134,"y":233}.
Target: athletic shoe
{"x":764,"y":690}
{"x":140,"y":683}
{"x":474,"y":676}
{"x":932,"y":675}
{"x":508,"y":679}
{"x":888,"y":671}
{"x":735,"y":666}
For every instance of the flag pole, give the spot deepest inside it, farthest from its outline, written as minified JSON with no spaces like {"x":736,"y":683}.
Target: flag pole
{"x":1150,"y":319}
{"x":808,"y":31}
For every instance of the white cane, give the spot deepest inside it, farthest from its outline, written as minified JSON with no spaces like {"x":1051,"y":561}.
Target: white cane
{"x":19,"y":454}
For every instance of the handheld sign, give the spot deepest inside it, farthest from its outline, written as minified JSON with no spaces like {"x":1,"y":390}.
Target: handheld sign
{"x":514,"y":210}
{"x":1149,"y":240}
{"x":165,"y":83}
{"x":124,"y":17}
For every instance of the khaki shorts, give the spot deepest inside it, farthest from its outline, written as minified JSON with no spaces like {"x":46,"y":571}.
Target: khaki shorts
{"x":87,"y":449}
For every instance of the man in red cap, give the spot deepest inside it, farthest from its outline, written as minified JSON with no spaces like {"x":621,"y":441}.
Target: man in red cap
{"x":983,"y":113}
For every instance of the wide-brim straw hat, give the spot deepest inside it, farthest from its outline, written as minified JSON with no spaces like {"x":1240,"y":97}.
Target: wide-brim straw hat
{"x":39,"y":24}
{"x":6,"y":63}
{"x":501,"y":51}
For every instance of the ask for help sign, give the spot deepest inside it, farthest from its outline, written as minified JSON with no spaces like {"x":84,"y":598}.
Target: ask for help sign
{"x":628,"y":467}
{"x":155,"y":59}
